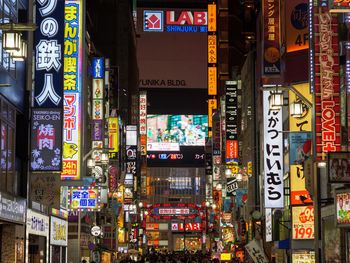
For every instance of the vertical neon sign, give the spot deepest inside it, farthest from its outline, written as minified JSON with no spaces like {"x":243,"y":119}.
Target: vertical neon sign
{"x":72,"y":89}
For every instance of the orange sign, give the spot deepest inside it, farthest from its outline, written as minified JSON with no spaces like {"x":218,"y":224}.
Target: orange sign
{"x":303,"y":222}
{"x":231,"y":149}
{"x":152,"y":226}
{"x":212,"y":17}
{"x":153,"y":243}
{"x":212,"y":56}
{"x":212,"y":81}
{"x":297,"y":34}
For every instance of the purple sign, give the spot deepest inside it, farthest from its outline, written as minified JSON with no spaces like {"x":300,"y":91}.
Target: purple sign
{"x":46,"y":139}
{"x":97,"y":130}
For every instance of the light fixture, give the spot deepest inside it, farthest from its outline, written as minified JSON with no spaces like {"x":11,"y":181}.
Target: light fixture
{"x":146,"y":212}
{"x":296,"y":109}
{"x":321,"y":164}
{"x":11,"y":41}
{"x":213,"y":206}
{"x":239,"y":177}
{"x":228,"y":172}
{"x":276,"y":100}
{"x":22,"y":53}
{"x":104,"y":158}
{"x":219,"y":187}
{"x":140,"y":204}
{"x":119,"y":194}
{"x":207,"y":203}
{"x":91,"y":163}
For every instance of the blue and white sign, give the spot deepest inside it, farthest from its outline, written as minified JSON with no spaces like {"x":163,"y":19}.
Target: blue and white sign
{"x":97,"y":68}
{"x":48,"y":48}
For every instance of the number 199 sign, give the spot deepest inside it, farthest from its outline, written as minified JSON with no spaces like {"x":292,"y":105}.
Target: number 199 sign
{"x":303,"y":222}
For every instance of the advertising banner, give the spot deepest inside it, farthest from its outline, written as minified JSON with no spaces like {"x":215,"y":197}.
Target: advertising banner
{"x":72,"y":84}
{"x":97,"y":88}
{"x":303,"y":222}
{"x":326,"y":69}
{"x":297,"y":35}
{"x":12,"y":208}
{"x":231,"y":186}
{"x":273,"y":155}
{"x":271,"y":38}
{"x":256,"y":252}
{"x":302,"y":123}
{"x":339,"y":6}
{"x":97,"y":130}
{"x":45,"y":189}
{"x":46,"y":139}
{"x":113,"y":127}
{"x":37,"y":224}
{"x":342,"y":206}
{"x":143,"y":113}
{"x":299,"y":147}
{"x":299,"y":195}
{"x":212,"y":81}
{"x":112,"y":178}
{"x":306,"y":256}
{"x":268,"y":224}
{"x":231,"y":110}
{"x":48,"y":48}
{"x":84,"y":199}
{"x":211,"y":17}
{"x":59,"y":232}
{"x":338,"y":167}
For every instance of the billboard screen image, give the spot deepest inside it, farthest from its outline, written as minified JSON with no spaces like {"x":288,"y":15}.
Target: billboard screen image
{"x":169,"y":132}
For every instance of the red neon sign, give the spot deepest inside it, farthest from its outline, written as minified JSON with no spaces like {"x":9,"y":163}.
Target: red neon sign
{"x":326,"y":83}
{"x":187,"y":17}
{"x":171,"y":211}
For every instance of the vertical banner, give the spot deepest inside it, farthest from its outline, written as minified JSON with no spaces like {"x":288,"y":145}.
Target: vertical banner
{"x":72,"y":84}
{"x":301,"y":123}
{"x":48,"y":46}
{"x":298,"y":193}
{"x":231,"y":120}
{"x":326,"y":82}
{"x":113,"y":127}
{"x":271,"y":38}
{"x":143,"y":112}
{"x":268,"y":224}
{"x":297,"y":35}
{"x":46,"y":140}
{"x":273,"y":155}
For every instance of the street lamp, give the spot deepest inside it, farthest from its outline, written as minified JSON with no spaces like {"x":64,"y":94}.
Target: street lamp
{"x":296,"y":109}
{"x":276,"y":100}
{"x":12,"y":41}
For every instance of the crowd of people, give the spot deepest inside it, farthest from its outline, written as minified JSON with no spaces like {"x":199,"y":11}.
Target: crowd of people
{"x":172,"y":257}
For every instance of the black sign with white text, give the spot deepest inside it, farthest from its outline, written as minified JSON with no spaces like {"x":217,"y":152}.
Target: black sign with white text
{"x":46,"y":139}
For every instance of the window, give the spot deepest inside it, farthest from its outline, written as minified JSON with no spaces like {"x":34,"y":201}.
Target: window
{"x":7,"y":147}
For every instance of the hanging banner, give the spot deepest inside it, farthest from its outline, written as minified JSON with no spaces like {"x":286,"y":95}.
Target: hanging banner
{"x":326,"y":68}
{"x":299,"y":195}
{"x":72,"y":84}
{"x":46,"y":139}
{"x":302,"y":123}
{"x":256,"y":252}
{"x":299,"y":147}
{"x":273,"y":155}
{"x":97,"y":130}
{"x":45,"y":189}
{"x":143,"y":113}
{"x":48,"y":49}
{"x":231,"y":111}
{"x":231,"y":186}
{"x":271,"y":38}
{"x":303,"y":222}
{"x":268,"y":224}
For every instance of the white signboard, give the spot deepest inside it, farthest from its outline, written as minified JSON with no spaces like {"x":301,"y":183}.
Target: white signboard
{"x":268,"y":222}
{"x":59,"y":232}
{"x":37,"y":224}
{"x":273,"y":155}
{"x":256,"y":253}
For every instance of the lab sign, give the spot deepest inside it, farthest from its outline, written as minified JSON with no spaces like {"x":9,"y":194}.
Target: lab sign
{"x":188,"y":227}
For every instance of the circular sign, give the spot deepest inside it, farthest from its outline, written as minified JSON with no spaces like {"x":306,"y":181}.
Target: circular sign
{"x":96,"y":231}
{"x":92,"y":246}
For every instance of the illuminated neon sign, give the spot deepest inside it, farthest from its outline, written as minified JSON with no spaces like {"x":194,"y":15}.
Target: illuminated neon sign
{"x":72,"y":85}
{"x":84,"y":199}
{"x":188,"y":226}
{"x":171,"y":211}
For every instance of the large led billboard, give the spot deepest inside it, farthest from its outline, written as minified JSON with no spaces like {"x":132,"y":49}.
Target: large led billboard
{"x":169,"y":132}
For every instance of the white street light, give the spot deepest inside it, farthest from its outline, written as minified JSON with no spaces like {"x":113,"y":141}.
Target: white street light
{"x":91,"y":163}
{"x":276,"y":101}
{"x":296,"y":109}
{"x":11,"y":41}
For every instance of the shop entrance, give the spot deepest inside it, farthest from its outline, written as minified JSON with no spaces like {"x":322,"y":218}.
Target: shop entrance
{"x":190,"y":243}
{"x":37,"y":249}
